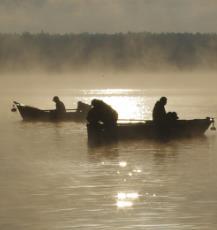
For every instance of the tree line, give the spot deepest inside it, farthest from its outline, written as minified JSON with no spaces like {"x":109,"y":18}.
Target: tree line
{"x":129,"y":51}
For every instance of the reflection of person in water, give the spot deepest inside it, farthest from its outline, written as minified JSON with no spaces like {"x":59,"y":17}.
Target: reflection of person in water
{"x":60,"y":107}
{"x":102,"y":112}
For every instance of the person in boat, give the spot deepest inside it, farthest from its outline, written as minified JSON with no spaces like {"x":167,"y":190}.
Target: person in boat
{"x":104,"y":114}
{"x":60,"y":107}
{"x":159,"y":113}
{"x":164,"y":121}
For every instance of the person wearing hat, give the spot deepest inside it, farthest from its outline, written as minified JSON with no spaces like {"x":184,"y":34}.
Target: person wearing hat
{"x":60,"y":107}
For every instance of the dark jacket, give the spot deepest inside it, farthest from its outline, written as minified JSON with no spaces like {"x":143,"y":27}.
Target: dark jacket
{"x":104,"y":113}
{"x":159,"y":112}
{"x":60,"y":108}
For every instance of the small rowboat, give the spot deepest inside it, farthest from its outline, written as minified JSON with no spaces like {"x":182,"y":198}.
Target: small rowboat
{"x":29,"y":113}
{"x":97,"y":134}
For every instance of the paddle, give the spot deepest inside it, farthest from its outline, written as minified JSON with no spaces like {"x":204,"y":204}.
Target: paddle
{"x":49,"y":110}
{"x":71,"y":109}
{"x":133,"y":120}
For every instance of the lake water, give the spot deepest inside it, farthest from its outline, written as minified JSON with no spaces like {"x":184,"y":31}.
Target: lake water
{"x":50,"y":178}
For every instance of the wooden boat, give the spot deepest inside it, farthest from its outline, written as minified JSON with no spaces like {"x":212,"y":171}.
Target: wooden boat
{"x":148,"y":129}
{"x":29,"y":113}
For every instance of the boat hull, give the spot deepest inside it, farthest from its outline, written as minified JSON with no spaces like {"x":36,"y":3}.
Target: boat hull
{"x":142,"y":130}
{"x":29,"y":113}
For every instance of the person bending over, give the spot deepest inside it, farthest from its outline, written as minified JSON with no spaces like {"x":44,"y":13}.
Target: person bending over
{"x":60,"y":107}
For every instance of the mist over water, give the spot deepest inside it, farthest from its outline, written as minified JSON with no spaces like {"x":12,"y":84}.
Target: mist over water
{"x":51,"y":179}
{"x":49,"y":81}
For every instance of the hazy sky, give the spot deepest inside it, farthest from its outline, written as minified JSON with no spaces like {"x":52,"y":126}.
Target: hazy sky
{"x":108,"y":16}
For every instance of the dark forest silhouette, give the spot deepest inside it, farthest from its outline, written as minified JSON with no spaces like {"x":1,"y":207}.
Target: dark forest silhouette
{"x":130,"y":51}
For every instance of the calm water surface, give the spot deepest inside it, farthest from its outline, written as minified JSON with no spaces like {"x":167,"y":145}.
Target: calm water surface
{"x":51,"y":179}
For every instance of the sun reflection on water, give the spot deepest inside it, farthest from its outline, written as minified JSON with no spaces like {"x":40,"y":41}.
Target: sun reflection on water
{"x":128,"y":102}
{"x":122,"y":195}
{"x":124,"y":204}
{"x":128,"y":107}
{"x":125,"y":200}
{"x":137,"y":170}
{"x":122,"y":164}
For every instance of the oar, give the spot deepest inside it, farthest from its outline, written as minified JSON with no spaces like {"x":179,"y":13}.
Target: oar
{"x":49,"y":110}
{"x":71,"y":109}
{"x":134,"y":120}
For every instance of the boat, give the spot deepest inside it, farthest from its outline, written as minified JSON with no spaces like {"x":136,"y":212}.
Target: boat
{"x":30,"y":113}
{"x":97,"y":134}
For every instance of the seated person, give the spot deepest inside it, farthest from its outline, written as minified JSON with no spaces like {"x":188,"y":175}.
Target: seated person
{"x":102,"y":112}
{"x":159,"y":113}
{"x":164,"y":122}
{"x":60,"y":107}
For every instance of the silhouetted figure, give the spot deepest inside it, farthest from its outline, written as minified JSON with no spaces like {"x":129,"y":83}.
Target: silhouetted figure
{"x":164,"y":122}
{"x":159,"y":113}
{"x":102,"y":118}
{"x":60,"y":107}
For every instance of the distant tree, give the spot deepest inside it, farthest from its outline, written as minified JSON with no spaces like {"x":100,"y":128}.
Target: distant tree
{"x":140,"y":51}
